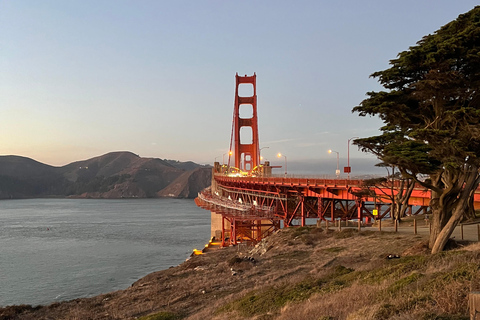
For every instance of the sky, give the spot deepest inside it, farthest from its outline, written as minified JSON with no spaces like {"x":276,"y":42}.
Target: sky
{"x":79,"y":79}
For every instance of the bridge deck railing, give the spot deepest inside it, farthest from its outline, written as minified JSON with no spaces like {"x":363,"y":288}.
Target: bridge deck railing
{"x":291,"y":180}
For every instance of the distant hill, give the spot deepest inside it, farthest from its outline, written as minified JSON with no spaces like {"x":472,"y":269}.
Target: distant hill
{"x":187,"y":166}
{"x":188,"y":184}
{"x":113,"y":175}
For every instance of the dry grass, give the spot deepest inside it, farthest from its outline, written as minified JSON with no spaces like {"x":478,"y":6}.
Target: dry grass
{"x":335,"y":305}
{"x":298,"y":273}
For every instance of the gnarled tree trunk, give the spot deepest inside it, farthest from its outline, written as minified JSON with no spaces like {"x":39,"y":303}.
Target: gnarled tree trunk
{"x":402,"y":198}
{"x":448,"y":209}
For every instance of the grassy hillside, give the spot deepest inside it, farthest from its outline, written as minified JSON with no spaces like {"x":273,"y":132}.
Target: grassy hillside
{"x":297,"y":273}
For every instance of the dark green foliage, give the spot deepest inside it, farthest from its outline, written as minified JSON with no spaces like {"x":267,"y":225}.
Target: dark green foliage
{"x":431,"y":109}
{"x":431,"y":115}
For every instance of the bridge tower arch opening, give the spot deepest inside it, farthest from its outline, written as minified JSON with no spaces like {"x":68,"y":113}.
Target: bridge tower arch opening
{"x":246,"y":153}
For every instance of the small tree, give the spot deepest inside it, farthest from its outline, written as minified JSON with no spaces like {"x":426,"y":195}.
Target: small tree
{"x":394,"y":188}
{"x":431,"y":115}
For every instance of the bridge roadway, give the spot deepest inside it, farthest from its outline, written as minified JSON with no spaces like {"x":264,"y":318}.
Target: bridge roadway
{"x":254,"y":207}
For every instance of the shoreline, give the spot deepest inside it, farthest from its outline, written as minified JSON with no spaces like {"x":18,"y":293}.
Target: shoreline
{"x":57,"y":250}
{"x":322,"y":265}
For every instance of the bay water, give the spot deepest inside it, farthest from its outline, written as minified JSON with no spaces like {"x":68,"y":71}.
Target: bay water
{"x":60,"y":249}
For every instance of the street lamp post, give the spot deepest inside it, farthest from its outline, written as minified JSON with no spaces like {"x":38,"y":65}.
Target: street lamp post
{"x":337,"y":172}
{"x":260,"y":152}
{"x":229,"y":153}
{"x":280,"y":155}
{"x":348,"y":158}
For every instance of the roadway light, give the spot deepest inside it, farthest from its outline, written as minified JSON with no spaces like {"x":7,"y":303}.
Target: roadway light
{"x":229,"y":153}
{"x":260,"y":152}
{"x":348,"y":169}
{"x":337,"y":172}
{"x":281,"y":155}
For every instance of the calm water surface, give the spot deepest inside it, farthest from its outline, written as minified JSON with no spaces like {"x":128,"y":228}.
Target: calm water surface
{"x":61,"y":249}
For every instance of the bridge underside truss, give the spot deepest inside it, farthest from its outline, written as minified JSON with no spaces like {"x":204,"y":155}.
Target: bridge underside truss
{"x":252,"y":208}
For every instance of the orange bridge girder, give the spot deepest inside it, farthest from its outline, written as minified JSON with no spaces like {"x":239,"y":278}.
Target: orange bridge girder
{"x":339,"y":189}
{"x":300,"y":198}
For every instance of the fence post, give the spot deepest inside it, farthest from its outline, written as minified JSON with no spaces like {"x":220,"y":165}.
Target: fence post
{"x":415,"y":226}
{"x":474,"y":305}
{"x":461,"y":229}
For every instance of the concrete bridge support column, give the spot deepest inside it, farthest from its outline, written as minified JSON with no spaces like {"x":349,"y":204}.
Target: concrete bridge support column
{"x":216,"y":225}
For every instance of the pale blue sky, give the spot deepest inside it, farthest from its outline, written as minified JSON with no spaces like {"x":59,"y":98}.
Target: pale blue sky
{"x":82,"y":78}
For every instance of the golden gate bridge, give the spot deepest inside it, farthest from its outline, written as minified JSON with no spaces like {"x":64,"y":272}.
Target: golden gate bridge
{"x":248,"y":203}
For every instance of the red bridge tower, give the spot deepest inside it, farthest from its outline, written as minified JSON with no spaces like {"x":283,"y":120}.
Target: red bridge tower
{"x":246,"y":153}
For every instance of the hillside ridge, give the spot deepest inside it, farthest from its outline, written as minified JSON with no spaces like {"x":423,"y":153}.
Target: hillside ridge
{"x":119,"y":174}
